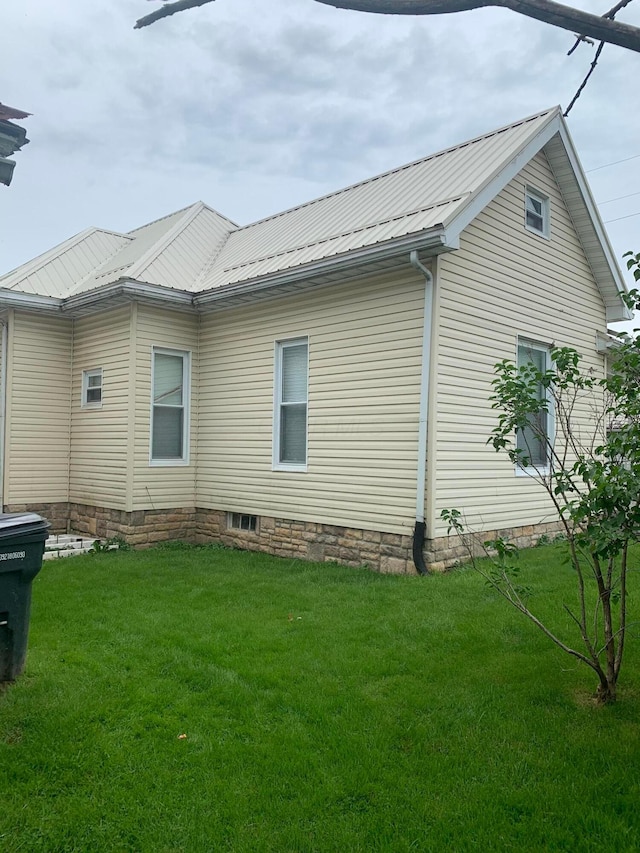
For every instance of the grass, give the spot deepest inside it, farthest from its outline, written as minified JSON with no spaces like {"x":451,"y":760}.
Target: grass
{"x":325,"y":709}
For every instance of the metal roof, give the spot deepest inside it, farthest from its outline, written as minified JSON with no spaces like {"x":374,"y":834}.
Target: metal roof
{"x":412,"y":198}
{"x":425,"y":204}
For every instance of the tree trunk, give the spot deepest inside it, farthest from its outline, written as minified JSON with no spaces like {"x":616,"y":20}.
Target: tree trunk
{"x":606,"y":692}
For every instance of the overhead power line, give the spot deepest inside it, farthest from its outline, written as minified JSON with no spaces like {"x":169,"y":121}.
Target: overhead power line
{"x":615,"y":163}
{"x":628,"y":216}
{"x":618,"y":198}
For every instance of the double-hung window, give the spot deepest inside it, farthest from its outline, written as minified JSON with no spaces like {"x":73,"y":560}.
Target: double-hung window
{"x":92,"y":388}
{"x":536,"y":213}
{"x":534,"y":440}
{"x":170,"y":407}
{"x":290,"y":410}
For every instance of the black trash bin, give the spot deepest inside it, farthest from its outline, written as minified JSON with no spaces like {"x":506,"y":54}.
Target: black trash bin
{"x":22,"y":538}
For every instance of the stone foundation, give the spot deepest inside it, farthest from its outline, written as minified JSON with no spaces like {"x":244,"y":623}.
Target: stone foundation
{"x":305,"y":540}
{"x":57,"y":514}
{"x":446,"y":552}
{"x":308,"y":540}
{"x":141,"y":528}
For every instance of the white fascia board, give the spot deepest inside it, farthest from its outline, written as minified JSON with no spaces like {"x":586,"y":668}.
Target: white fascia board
{"x":30,"y":301}
{"x":617,"y":310}
{"x":504,"y":175}
{"x":431,"y":242}
{"x":127,"y":289}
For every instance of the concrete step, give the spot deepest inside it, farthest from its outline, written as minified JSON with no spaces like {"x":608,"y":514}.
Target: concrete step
{"x":66,"y":545}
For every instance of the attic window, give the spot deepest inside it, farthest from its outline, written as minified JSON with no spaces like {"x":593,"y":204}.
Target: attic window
{"x":537,"y":213}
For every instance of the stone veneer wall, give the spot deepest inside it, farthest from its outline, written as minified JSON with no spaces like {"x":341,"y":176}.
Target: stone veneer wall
{"x":305,"y":540}
{"x":308,"y":540}
{"x":57,"y":514}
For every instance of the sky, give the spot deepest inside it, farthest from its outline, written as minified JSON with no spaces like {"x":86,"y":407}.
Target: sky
{"x":254,"y":106}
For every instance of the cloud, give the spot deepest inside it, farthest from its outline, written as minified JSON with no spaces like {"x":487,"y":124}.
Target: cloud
{"x":256,"y":110}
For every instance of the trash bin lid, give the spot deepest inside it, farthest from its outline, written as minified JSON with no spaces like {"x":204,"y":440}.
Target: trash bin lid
{"x":21,"y":523}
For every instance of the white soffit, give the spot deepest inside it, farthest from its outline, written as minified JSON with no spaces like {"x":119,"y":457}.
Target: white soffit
{"x":564,"y":162}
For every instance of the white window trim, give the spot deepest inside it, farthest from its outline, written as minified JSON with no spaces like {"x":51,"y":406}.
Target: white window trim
{"x":239,"y":516}
{"x":277,"y":465}
{"x":85,"y":403}
{"x":546,"y":209}
{"x":186,"y":405}
{"x":545,"y":470}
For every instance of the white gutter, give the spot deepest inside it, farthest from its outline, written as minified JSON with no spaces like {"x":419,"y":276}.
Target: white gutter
{"x":421,"y":473}
{"x":170,"y":297}
{"x":29,"y":301}
{"x":432,"y":241}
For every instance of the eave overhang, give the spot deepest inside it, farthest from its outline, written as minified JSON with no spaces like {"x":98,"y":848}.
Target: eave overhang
{"x":587,"y":221}
{"x":368,"y":261}
{"x":30,"y":302}
{"x":354,"y":264}
{"x":108,"y":296}
{"x":123,"y":291}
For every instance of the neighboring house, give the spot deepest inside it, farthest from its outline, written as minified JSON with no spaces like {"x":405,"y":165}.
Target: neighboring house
{"x":12,"y":139}
{"x":315,"y":384}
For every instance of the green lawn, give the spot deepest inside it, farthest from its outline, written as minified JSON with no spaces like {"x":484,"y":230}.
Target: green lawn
{"x":325,"y":709}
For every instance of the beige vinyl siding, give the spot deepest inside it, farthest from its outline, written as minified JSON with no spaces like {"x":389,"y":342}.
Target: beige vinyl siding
{"x":38,"y":409}
{"x":504,"y":281}
{"x":99,"y":436}
{"x":363,"y":402}
{"x":162,"y":486}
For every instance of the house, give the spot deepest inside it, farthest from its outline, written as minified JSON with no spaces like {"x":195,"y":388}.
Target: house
{"x":314,"y":384}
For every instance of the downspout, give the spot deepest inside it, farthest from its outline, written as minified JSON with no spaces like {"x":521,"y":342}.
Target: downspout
{"x":419,"y":531}
{"x":3,"y":405}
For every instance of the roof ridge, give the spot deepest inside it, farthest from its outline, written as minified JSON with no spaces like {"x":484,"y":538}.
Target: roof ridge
{"x":397,"y":169}
{"x":181,"y":210}
{"x":159,"y":219}
{"x":217,"y":213}
{"x":50,"y":255}
{"x":208,"y":266}
{"x":167,"y":238}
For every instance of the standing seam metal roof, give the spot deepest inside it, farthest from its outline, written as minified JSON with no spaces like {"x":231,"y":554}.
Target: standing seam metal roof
{"x":355,"y":217}
{"x":196,"y":249}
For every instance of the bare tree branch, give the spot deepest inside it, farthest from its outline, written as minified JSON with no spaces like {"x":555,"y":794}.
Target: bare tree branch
{"x":600,"y":28}
{"x":169,"y":9}
{"x":557,"y":14}
{"x":586,"y":79}
{"x":610,"y":14}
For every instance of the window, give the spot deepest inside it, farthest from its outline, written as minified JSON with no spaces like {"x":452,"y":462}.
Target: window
{"x":537,"y":213}
{"x":533,"y":439}
{"x":290,"y":415}
{"x":170,"y":407}
{"x":240,"y":521}
{"x":92,"y":388}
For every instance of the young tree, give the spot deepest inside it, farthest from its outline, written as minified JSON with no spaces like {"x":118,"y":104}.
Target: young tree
{"x":592,"y":477}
